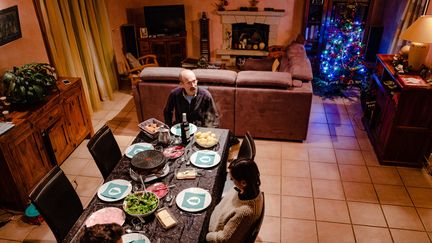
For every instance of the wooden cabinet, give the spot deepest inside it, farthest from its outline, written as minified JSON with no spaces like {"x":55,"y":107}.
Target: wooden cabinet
{"x":399,"y":117}
{"x":42,"y":137}
{"x":170,"y":51}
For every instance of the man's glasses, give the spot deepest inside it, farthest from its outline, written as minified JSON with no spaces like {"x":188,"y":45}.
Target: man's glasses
{"x":190,"y":82}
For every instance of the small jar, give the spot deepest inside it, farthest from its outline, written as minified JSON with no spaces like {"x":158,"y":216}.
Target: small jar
{"x":5,"y":115}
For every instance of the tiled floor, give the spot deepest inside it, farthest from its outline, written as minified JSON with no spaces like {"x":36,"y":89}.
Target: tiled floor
{"x":330,"y":188}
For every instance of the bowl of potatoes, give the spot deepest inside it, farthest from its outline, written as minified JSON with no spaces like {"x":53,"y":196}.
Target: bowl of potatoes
{"x":206,"y":139}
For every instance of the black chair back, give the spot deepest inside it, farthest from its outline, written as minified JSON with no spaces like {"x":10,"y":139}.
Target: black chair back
{"x":253,"y":233}
{"x":58,"y":203}
{"x":247,"y":148}
{"x":105,"y":150}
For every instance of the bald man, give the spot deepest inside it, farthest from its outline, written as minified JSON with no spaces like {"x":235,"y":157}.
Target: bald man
{"x":196,"y":102}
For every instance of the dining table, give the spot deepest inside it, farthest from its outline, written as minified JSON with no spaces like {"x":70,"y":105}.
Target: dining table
{"x":191,"y":226}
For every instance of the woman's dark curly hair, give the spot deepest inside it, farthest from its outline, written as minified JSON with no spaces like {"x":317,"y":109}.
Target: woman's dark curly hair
{"x":247,"y":170}
{"x":106,"y":233}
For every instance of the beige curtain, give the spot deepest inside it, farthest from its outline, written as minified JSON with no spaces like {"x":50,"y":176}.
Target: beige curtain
{"x":79,"y":42}
{"x":413,"y":10}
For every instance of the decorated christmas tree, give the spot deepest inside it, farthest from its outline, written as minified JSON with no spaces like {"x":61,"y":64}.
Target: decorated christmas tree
{"x":342,"y":62}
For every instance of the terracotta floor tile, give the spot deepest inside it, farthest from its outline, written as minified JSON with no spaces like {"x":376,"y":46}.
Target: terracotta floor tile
{"x":82,"y":151}
{"x":331,"y":210}
{"x":100,"y":114}
{"x":269,"y":166}
{"x":334,"y":232}
{"x":367,"y":234}
{"x":317,"y":107}
{"x":365,"y":144}
{"x":91,"y":170}
{"x":360,"y":192}
{"x":332,"y":108}
{"x":85,"y":200}
{"x":402,"y":217}
{"x":298,"y":231}
{"x":293,"y":186}
{"x":272,"y":205}
{"x":318,"y":128}
{"x":318,"y":117}
{"x":415,"y":177}
{"x":271,"y":184}
{"x":340,"y":142}
{"x":421,"y":197}
{"x":341,"y":130}
{"x":87,"y":186}
{"x":16,"y":229}
{"x":113,"y":125}
{"x":295,"y":168}
{"x":426,"y":217}
{"x":316,"y":99}
{"x":354,"y":173}
{"x":74,"y":166}
{"x":366,"y":214}
{"x":384,"y":175}
{"x":269,"y":150}
{"x":328,"y":189}
{"x":123,"y":140}
{"x":41,"y":233}
{"x":270,"y":230}
{"x":370,"y":158}
{"x":319,"y":141}
{"x":393,"y":195}
{"x":294,"y":153}
{"x":404,"y":236}
{"x":338,"y":119}
{"x":298,"y":207}
{"x":324,"y":171}
{"x":322,"y":155}
{"x":352,"y":157}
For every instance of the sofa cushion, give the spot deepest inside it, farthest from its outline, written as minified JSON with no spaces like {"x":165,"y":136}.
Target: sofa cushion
{"x":253,"y":64}
{"x":300,"y":68}
{"x":296,"y":49}
{"x":264,"y":79}
{"x":215,"y":76}
{"x":161,"y":73}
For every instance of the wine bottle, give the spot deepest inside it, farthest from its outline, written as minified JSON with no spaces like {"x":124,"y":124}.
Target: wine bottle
{"x":184,"y":126}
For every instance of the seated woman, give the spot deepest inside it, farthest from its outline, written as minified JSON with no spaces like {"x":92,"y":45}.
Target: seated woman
{"x":240,"y":208}
{"x":107,"y":233}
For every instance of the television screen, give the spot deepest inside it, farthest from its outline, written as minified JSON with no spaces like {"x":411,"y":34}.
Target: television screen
{"x":165,"y":20}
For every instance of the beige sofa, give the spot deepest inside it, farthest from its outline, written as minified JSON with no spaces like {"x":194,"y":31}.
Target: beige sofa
{"x":274,"y":105}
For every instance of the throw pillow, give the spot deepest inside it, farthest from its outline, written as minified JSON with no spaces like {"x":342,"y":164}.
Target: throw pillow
{"x":275,"y":66}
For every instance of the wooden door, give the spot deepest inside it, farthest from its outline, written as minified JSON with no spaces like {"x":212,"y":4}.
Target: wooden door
{"x":76,"y":115}
{"x":59,"y":138}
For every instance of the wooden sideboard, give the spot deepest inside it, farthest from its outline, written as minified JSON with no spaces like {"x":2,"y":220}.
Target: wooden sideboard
{"x":398,"y":118}
{"x":43,"y":136}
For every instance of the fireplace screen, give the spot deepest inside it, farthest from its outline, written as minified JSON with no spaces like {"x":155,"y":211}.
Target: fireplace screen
{"x":250,"y":37}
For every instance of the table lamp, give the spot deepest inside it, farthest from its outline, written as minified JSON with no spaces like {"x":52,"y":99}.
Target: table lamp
{"x":420,"y":35}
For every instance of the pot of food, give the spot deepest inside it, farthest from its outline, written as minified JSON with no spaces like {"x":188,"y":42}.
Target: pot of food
{"x":148,"y":162}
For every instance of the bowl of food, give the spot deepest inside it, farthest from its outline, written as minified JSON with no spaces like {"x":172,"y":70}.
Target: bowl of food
{"x":151,"y":127}
{"x":206,"y":139}
{"x":141,"y":204}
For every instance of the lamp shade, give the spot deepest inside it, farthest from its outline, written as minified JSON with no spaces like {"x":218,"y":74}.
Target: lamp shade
{"x":420,"y":30}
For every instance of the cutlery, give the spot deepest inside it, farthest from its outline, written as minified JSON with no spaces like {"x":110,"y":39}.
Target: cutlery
{"x":134,"y":231}
{"x":171,"y":203}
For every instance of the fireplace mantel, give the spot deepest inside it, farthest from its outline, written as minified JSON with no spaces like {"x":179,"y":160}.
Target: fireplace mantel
{"x":250,"y":17}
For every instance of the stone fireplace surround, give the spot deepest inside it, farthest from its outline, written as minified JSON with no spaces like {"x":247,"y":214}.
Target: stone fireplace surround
{"x":228,"y":18}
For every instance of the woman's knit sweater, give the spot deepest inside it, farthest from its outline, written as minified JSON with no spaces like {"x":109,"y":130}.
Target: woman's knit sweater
{"x":232,"y":218}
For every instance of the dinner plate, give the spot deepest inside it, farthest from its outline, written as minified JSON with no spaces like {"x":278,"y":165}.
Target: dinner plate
{"x":205,"y":158}
{"x":106,"y":215}
{"x":136,"y":148}
{"x":158,"y":188}
{"x":193,"y":199}
{"x":177,"y":131}
{"x":114,"y":190}
{"x":135,"y":238}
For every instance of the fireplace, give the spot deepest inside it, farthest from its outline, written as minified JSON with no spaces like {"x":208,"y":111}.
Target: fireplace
{"x":255,"y":27}
{"x":249,"y":36}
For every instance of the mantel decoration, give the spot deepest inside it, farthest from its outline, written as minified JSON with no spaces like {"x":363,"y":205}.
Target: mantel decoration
{"x":29,"y":84}
{"x":221,"y":5}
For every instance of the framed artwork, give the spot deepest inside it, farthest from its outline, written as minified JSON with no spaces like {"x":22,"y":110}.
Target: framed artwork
{"x":143,"y":32}
{"x":10,"y":28}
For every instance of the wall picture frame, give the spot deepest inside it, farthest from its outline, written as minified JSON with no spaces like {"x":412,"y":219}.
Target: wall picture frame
{"x":143,"y":32}
{"x":10,"y":28}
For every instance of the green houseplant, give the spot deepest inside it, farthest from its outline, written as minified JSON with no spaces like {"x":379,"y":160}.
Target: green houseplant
{"x":29,"y":84}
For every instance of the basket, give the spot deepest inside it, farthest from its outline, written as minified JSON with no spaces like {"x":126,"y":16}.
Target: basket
{"x":151,"y":133}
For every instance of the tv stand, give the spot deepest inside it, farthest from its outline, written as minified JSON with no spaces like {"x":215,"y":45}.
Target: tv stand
{"x":170,"y":50}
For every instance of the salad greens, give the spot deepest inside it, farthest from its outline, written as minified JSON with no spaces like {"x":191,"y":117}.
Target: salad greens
{"x":141,"y":203}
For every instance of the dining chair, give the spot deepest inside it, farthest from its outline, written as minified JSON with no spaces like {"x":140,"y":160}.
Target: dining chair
{"x":134,"y":66}
{"x":247,"y":147}
{"x":253,"y":233}
{"x":58,"y":203}
{"x":105,"y":151}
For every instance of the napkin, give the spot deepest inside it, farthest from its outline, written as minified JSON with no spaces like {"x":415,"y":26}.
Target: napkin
{"x":138,"y":148}
{"x":114,"y":190}
{"x":137,"y":241}
{"x":205,"y":158}
{"x":193,"y":200}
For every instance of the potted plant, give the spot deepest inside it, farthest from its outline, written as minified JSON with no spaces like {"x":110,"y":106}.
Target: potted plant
{"x":29,"y":84}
